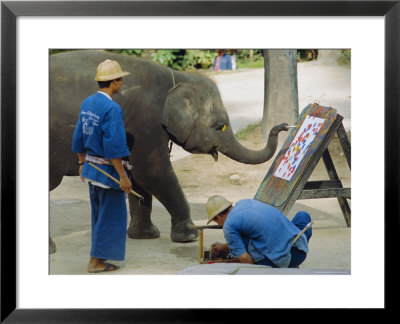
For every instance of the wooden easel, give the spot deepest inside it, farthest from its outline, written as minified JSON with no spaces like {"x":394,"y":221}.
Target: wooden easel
{"x":304,"y":189}
{"x":327,"y":188}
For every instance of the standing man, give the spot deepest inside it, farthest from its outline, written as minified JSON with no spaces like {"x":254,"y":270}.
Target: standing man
{"x":100,"y":138}
{"x":259,"y":233}
{"x":222,"y":61}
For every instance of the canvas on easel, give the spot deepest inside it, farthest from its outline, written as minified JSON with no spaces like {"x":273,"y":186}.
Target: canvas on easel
{"x":287,"y":178}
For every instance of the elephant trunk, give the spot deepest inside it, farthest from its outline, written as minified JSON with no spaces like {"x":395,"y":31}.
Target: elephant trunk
{"x":238,"y":152}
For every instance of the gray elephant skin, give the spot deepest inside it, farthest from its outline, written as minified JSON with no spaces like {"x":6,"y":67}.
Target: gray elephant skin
{"x":160,"y":105}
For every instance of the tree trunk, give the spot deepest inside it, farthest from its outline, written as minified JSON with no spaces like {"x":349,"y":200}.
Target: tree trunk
{"x":281,"y":103}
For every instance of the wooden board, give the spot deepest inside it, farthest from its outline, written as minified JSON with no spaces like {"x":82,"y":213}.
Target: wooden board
{"x":313,"y":125}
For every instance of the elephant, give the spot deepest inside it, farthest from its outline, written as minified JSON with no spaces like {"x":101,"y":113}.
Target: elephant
{"x":160,"y":106}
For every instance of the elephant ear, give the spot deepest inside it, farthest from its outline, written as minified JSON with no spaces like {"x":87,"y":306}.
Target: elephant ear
{"x":180,"y":111}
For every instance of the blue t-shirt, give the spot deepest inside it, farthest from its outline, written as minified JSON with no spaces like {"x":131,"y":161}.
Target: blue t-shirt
{"x":263,"y":231}
{"x":100,"y":132}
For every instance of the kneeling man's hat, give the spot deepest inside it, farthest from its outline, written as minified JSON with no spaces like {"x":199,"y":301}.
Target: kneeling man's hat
{"x":216,"y":205}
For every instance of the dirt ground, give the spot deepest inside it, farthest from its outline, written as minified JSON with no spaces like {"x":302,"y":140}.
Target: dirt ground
{"x":201,"y":177}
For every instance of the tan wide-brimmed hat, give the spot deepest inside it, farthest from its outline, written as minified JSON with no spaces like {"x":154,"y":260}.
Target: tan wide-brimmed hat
{"x":109,"y":70}
{"x":215,"y":205}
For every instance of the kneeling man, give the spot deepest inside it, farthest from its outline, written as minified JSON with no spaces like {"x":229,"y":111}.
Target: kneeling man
{"x":258,"y":233}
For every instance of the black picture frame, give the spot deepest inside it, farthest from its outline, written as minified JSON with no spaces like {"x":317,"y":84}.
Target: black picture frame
{"x":10,"y":10}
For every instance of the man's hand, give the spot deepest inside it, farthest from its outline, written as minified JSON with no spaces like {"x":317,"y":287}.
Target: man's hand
{"x":80,"y":172}
{"x":246,"y":258}
{"x":81,"y":159}
{"x":124,"y":182}
{"x":217,"y":247}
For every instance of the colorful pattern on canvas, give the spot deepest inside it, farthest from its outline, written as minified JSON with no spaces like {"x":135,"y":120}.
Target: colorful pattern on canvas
{"x":276,"y":191}
{"x":298,"y":148}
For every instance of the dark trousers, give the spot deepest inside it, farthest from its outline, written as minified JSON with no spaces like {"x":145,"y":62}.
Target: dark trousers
{"x":109,"y":223}
{"x":301,"y":220}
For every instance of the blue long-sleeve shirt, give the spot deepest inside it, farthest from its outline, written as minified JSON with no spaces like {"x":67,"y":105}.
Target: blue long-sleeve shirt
{"x":100,"y":132}
{"x":225,"y":62}
{"x":262,"y":231}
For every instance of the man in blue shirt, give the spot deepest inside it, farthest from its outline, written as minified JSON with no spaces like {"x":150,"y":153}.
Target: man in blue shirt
{"x":100,"y":138}
{"x":259,"y":233}
{"x":222,"y":61}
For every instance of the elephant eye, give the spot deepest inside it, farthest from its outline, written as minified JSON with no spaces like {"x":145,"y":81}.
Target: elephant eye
{"x":220,"y":127}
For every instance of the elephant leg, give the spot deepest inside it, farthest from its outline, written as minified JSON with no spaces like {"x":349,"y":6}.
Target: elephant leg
{"x":166,"y":188}
{"x":159,"y":180}
{"x":141,"y":226}
{"x":55,"y":181}
{"x":182,"y":227}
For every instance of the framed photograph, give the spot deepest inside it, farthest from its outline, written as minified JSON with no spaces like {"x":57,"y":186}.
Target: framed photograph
{"x":29,"y":29}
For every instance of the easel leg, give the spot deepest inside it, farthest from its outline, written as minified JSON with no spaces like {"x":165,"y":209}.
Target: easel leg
{"x":201,"y":245}
{"x":344,"y":205}
{"x":345,"y":143}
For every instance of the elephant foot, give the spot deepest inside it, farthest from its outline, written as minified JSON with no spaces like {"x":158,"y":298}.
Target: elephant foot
{"x":143,"y":232}
{"x":185,"y":233}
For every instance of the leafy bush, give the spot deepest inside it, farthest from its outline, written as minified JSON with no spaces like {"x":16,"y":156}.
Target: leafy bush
{"x":128,"y":52}
{"x":164,"y":57}
{"x":55,"y":51}
{"x":198,"y":59}
{"x":249,"y":58}
{"x":190,"y":59}
{"x":345,"y":59}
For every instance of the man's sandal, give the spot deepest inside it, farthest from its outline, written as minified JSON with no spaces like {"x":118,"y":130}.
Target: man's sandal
{"x":109,"y":267}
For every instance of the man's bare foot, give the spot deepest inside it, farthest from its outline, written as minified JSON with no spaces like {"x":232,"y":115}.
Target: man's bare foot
{"x":97,"y":265}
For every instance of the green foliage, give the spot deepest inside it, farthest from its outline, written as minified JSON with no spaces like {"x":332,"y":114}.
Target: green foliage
{"x":128,"y":52}
{"x":191,"y":59}
{"x":345,"y":59}
{"x":257,"y":63}
{"x":250,"y":59}
{"x":306,"y":55}
{"x":249,"y":54}
{"x":198,"y":59}
{"x":184,"y":59}
{"x":165,"y":57}
{"x":55,"y":51}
